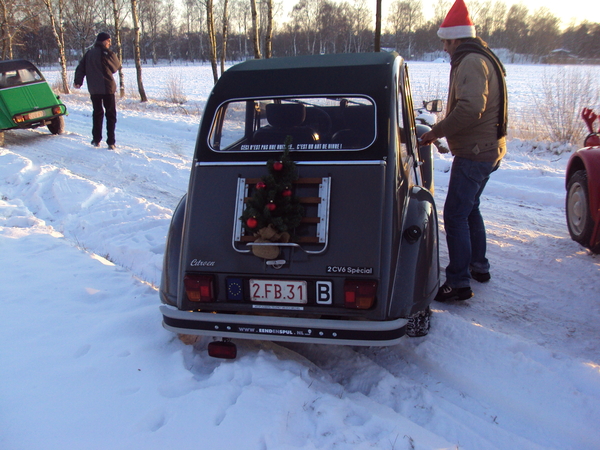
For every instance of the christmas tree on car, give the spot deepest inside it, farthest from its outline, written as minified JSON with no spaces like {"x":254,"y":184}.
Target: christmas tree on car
{"x":273,"y":211}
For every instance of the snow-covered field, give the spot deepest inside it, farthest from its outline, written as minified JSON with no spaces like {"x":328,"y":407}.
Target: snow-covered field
{"x":86,"y":364}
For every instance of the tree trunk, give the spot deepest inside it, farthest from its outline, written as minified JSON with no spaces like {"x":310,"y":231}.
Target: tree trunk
{"x":58,"y":32}
{"x":224,"y":45}
{"x":269,"y":33}
{"x":5,"y":34}
{"x":119,"y":48}
{"x":212,"y":39}
{"x":136,"y":51}
{"x":255,"y":40}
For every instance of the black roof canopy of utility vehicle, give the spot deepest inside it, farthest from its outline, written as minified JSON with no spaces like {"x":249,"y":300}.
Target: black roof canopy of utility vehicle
{"x":16,"y":64}
{"x":342,"y":74}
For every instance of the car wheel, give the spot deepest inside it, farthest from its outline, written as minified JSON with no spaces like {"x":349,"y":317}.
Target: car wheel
{"x":419,"y":323}
{"x":579,"y":217}
{"x":57,"y":125}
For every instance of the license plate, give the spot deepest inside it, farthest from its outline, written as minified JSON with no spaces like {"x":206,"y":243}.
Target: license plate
{"x":35,"y":115}
{"x":278,"y":291}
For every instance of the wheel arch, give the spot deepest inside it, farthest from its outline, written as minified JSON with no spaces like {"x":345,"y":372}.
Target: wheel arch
{"x":170,"y":272}
{"x":417,"y":270}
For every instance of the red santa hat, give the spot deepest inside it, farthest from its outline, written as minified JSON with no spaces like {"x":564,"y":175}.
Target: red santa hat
{"x":457,"y":24}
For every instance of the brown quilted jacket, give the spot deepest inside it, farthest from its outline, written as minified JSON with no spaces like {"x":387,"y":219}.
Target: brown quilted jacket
{"x":474,"y":100}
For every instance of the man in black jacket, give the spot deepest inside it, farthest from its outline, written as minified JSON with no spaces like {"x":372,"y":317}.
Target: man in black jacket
{"x":99,"y":64}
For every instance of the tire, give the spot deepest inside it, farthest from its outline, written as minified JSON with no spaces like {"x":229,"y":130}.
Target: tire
{"x":1,"y":138}
{"x":57,"y":125}
{"x":579,"y":218}
{"x":419,"y":323}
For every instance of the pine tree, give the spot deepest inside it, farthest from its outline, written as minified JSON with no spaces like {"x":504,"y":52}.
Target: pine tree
{"x":273,"y":201}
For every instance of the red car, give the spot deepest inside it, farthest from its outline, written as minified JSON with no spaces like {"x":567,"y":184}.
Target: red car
{"x":583,"y":188}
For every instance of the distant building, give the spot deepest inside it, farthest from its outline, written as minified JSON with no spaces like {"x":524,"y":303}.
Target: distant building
{"x":560,"y":56}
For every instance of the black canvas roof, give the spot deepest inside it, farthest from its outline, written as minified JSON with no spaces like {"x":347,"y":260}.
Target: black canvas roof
{"x":334,"y":75}
{"x":340,"y":73}
{"x":16,"y":64}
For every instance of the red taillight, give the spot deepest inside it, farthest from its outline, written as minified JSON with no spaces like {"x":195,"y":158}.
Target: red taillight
{"x":222,"y":349}
{"x":359,"y":294}
{"x":56,"y":110}
{"x":199,"y":288}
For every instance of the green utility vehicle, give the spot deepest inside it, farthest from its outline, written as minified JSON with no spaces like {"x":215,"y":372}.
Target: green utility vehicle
{"x":26,"y":99}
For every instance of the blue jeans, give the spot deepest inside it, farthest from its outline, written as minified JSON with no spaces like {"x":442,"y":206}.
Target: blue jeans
{"x":465,"y":230}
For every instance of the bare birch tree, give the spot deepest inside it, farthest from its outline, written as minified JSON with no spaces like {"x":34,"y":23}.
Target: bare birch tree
{"x":212,"y":38}
{"x":255,"y":37}
{"x":16,"y":18}
{"x":151,"y":16}
{"x":117,"y":16}
{"x":224,"y":36}
{"x":81,"y":17}
{"x":170,"y":29}
{"x":406,"y":16}
{"x":136,"y":51}
{"x":269,"y":32}
{"x":59,"y":35}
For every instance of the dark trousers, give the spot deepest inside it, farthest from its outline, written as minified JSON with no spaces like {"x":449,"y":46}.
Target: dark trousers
{"x":104,"y":104}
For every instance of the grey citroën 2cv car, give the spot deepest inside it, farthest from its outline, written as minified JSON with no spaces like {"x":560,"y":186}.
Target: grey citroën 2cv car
{"x":343,"y":248}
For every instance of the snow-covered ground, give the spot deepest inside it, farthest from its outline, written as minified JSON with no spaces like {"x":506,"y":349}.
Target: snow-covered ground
{"x":86,"y":364}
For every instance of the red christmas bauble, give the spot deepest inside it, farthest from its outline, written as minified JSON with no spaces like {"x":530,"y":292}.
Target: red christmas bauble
{"x":287,"y":193}
{"x":278,"y":165}
{"x":271,"y":206}
{"x":260,"y":185}
{"x":251,"y":222}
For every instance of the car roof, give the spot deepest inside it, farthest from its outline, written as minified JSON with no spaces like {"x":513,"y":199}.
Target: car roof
{"x":16,"y":64}
{"x":310,"y":61}
{"x":371,"y":75}
{"x":338,"y":73}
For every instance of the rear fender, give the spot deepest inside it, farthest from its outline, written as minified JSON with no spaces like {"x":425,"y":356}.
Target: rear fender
{"x":417,"y":272}
{"x":170,"y":273}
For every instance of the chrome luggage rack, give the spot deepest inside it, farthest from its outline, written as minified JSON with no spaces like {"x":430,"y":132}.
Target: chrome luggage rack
{"x":320,"y":221}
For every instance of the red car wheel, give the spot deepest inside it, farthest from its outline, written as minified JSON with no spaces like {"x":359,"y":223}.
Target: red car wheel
{"x":579,"y":218}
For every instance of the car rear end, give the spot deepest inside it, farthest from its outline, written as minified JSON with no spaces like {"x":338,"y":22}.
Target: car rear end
{"x":26,"y":99}
{"x":332,"y":279}
{"x":332,"y":268}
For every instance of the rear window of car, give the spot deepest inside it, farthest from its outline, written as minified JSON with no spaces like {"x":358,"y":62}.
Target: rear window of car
{"x":302,"y":123}
{"x":12,"y":78}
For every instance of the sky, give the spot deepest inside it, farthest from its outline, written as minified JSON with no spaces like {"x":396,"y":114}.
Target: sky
{"x":583,"y":10}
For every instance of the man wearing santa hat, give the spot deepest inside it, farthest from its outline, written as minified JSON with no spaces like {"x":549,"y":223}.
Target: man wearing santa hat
{"x":475,"y":128}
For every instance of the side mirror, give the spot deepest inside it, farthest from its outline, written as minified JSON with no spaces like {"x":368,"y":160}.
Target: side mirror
{"x":434,"y":106}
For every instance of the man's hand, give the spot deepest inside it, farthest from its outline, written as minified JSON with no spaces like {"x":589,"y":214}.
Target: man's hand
{"x":427,"y":138}
{"x":76,"y":86}
{"x":431,"y":138}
